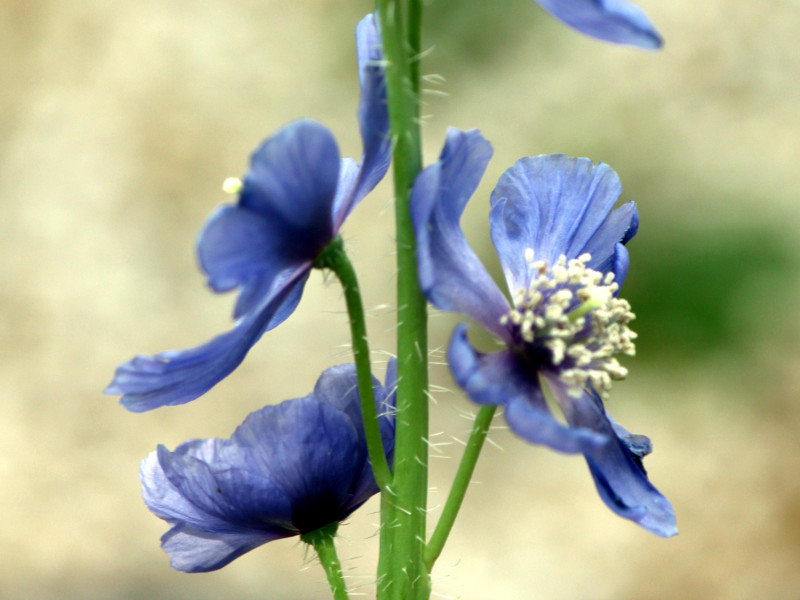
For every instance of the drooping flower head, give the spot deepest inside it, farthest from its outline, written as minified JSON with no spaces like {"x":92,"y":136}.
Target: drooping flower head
{"x":615,"y":21}
{"x":562,"y":251}
{"x":288,"y":470}
{"x":291,"y":205}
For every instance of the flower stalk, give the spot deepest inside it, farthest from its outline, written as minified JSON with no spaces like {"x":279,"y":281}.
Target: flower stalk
{"x":402,"y":574}
{"x":335,"y":258}
{"x":322,"y":541}
{"x":480,"y":429}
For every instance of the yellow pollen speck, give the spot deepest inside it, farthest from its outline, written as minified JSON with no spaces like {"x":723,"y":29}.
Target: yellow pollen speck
{"x":232,"y":185}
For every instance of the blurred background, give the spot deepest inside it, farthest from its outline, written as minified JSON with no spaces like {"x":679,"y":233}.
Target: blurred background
{"x":118,"y":124}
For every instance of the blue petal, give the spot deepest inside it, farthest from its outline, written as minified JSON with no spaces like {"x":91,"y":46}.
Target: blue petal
{"x":610,"y":20}
{"x":178,"y":377}
{"x":552,"y":204}
{"x":311,"y":451}
{"x":195,"y":551}
{"x":238,"y":246}
{"x":450,"y":274}
{"x":617,"y":466}
{"x":373,"y":120}
{"x":214,"y":476}
{"x":618,"y":228}
{"x":501,"y":379}
{"x":184,"y":490}
{"x":292,"y":181}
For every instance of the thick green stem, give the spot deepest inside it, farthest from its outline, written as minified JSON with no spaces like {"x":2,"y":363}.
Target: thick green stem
{"x":322,"y":541}
{"x":402,"y":573}
{"x":480,"y":429}
{"x":335,"y":259}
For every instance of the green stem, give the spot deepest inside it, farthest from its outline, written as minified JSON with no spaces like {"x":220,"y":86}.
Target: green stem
{"x":335,"y":258}
{"x":403,"y":525}
{"x":480,"y":429}
{"x":322,"y":540}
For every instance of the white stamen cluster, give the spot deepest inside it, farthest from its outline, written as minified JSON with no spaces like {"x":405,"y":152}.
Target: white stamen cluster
{"x":571,"y":310}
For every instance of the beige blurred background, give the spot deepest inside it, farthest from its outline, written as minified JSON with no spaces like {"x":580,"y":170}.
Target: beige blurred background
{"x":118,"y":123}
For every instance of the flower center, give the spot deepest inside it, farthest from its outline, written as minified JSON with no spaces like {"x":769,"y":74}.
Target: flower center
{"x":570,"y":321}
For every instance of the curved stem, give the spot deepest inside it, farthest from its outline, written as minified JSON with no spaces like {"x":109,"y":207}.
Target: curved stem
{"x":480,"y":428}
{"x":322,"y":540}
{"x":335,"y":259}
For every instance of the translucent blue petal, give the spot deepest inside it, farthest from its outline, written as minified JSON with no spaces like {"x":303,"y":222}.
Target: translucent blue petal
{"x":178,"y":377}
{"x":450,"y":274}
{"x":617,"y":466}
{"x":292,"y":181}
{"x":311,"y":451}
{"x":233,"y":497}
{"x":287,"y":469}
{"x":615,"y":21}
{"x":501,"y":379}
{"x":551,"y":204}
{"x":195,"y":551}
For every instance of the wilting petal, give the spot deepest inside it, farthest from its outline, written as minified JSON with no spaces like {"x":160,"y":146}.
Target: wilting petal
{"x":561,"y":203}
{"x":615,"y":21}
{"x":451,"y":276}
{"x":617,"y":466}
{"x":293,"y":179}
{"x":498,"y":379}
{"x":177,"y":377}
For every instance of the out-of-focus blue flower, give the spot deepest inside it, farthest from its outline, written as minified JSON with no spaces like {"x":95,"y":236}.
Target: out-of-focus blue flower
{"x":562,"y":251}
{"x":292,"y":203}
{"x":287,"y":470}
{"x":615,"y":21}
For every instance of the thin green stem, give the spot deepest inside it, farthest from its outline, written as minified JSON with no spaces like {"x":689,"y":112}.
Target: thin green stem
{"x":335,"y":258}
{"x":322,"y":541}
{"x":480,"y":428}
{"x":403,"y":522}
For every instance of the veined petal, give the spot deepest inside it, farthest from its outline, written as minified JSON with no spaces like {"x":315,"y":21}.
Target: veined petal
{"x":615,"y":21}
{"x":231,"y":496}
{"x":373,"y":121}
{"x":292,"y":181}
{"x":552,"y":205}
{"x":501,"y":379}
{"x":312,"y":452}
{"x":195,"y":551}
{"x":619,"y":227}
{"x":450,"y":274}
{"x":178,"y":377}
{"x":617,"y":466}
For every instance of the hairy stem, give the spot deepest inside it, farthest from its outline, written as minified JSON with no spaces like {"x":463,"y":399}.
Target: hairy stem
{"x":335,"y":259}
{"x":402,"y":573}
{"x":480,"y":428}
{"x":322,"y":541}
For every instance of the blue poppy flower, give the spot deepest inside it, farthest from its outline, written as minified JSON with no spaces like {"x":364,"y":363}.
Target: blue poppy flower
{"x":287,"y":470}
{"x":562,"y":251}
{"x":615,"y":21}
{"x":292,"y":204}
